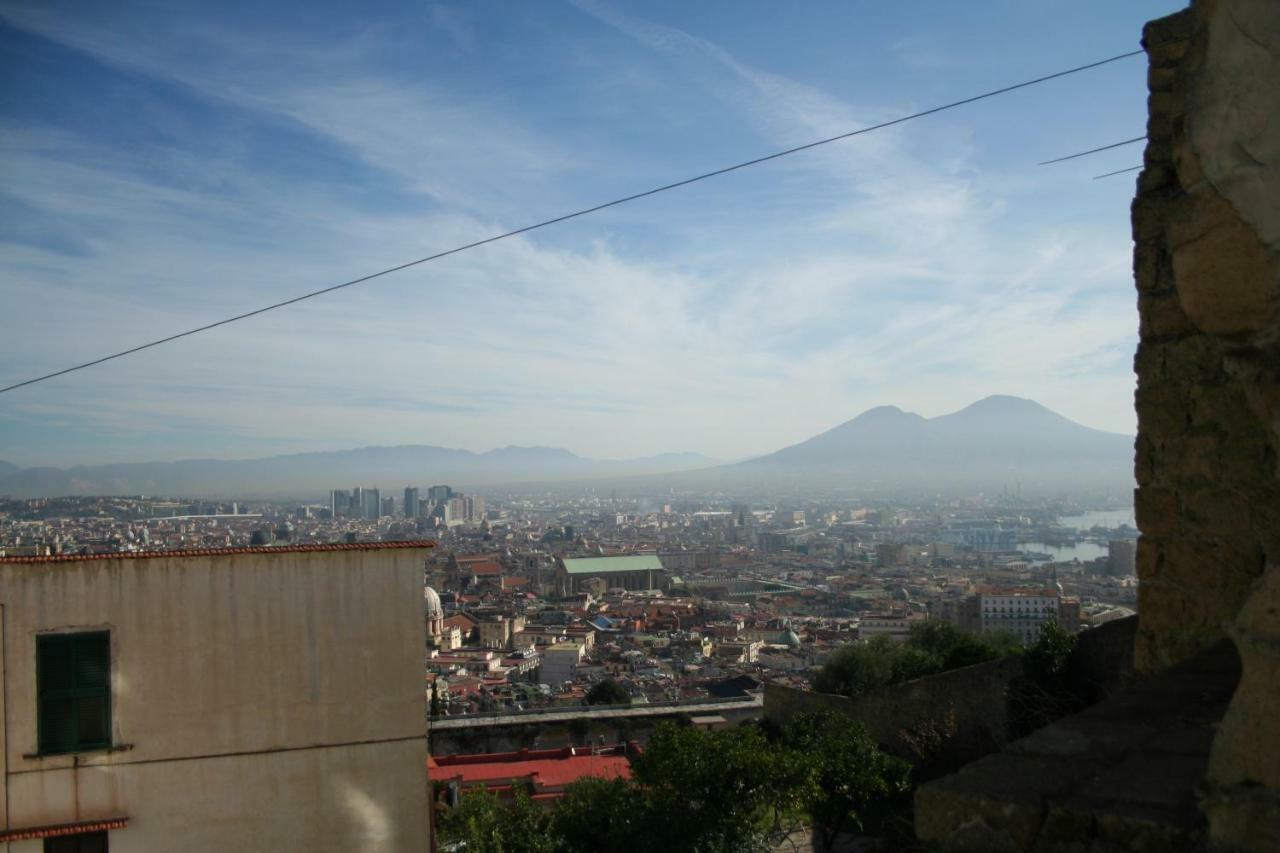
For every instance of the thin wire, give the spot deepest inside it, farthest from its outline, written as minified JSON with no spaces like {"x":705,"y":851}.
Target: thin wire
{"x":1117,"y":172}
{"x":585,"y":211}
{"x":1094,"y":150}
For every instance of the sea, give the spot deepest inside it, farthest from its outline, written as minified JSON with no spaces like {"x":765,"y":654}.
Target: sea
{"x":1083,"y":551}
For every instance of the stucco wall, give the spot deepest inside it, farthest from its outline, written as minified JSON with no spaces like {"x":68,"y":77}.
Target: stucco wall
{"x":247,"y":690}
{"x":367,"y":798}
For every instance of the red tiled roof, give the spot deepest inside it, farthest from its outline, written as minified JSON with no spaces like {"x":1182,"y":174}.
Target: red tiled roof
{"x":225,"y":552}
{"x":547,"y":768}
{"x":53,"y":831}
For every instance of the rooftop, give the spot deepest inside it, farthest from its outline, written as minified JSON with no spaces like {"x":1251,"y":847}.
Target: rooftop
{"x":545,"y":768}
{"x":224,"y":552}
{"x":629,"y":563}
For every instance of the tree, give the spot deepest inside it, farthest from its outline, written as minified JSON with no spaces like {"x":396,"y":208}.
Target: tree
{"x":603,"y":814}
{"x":719,"y":792}
{"x":859,"y":667}
{"x":857,"y":786}
{"x":608,"y":692}
{"x":954,"y":647}
{"x":1042,"y":692}
{"x":482,"y":823}
{"x":933,"y":646}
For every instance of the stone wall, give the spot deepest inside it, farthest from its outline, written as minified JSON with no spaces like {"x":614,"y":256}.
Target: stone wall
{"x":1206,"y":224}
{"x":1206,"y":455}
{"x":942,"y":721}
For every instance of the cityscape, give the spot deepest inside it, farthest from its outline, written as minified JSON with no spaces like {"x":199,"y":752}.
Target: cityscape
{"x":592,"y":427}
{"x":671,"y":595}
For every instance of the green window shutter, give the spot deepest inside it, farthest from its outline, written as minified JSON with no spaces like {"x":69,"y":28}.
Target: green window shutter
{"x":89,"y":842}
{"x":73,"y":689}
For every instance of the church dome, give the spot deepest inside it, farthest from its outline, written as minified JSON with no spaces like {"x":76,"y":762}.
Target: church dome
{"x":434,"y":610}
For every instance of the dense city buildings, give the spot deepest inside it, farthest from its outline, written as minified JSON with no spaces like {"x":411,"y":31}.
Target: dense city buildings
{"x":531,"y":599}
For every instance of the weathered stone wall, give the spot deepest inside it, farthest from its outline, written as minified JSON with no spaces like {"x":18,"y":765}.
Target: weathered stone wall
{"x":942,"y":721}
{"x":1206,"y":235}
{"x":1206,"y":225}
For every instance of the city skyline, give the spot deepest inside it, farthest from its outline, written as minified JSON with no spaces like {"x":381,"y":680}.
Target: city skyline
{"x":268,"y":157}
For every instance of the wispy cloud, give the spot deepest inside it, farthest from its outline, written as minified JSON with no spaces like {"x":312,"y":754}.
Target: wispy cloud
{"x":731,"y":320}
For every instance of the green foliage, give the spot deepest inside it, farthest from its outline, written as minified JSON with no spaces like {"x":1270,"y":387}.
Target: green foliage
{"x":600,"y":814}
{"x":608,"y":692}
{"x":718,"y":791}
{"x":856,"y":785}
{"x":1043,"y":691}
{"x":481,"y":823}
{"x":933,"y":646}
{"x":696,"y":791}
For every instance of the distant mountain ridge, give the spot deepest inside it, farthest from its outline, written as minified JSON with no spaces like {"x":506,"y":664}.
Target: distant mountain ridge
{"x":313,"y":474}
{"x":997,"y":441}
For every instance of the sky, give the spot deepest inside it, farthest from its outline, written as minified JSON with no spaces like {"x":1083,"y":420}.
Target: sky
{"x":165,"y":164}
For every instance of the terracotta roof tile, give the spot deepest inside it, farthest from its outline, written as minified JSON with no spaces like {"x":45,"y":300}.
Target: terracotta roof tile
{"x":223,"y":552}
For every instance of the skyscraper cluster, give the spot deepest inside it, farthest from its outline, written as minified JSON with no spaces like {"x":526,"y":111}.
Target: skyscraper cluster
{"x":441,"y":502}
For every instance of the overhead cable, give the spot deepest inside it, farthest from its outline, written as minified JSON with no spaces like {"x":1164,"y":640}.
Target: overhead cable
{"x":564,"y":218}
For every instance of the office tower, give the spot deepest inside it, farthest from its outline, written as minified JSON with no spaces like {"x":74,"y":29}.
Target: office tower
{"x":372,"y":503}
{"x":388,"y":506}
{"x":339,"y":502}
{"x":439,"y":494}
{"x":475,"y":508}
{"x":411,"y":502}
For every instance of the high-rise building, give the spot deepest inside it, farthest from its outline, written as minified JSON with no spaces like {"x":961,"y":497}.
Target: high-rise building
{"x":388,"y":506}
{"x":1122,"y":557}
{"x":475,"y":508}
{"x":439,"y":494}
{"x":372,"y":503}
{"x":411,"y":508}
{"x":455,"y":510}
{"x":339,"y":502}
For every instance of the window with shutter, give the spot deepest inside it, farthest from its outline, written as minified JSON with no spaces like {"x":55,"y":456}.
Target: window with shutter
{"x":85,"y":842}
{"x":73,"y":692}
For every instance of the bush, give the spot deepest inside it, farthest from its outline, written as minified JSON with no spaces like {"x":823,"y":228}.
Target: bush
{"x":608,"y":692}
{"x":932,"y":647}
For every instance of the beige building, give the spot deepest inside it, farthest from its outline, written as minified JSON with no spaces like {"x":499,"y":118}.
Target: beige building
{"x":230,"y":699}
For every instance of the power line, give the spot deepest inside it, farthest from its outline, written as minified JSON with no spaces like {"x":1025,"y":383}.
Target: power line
{"x":584,"y":212}
{"x":1094,"y":150}
{"x":1117,"y":172}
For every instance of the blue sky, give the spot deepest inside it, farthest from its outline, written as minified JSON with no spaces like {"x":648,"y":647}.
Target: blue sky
{"x":165,"y":164}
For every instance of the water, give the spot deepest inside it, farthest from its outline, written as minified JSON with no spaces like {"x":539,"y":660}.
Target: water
{"x":1081,"y":551}
{"x":1099,"y":518}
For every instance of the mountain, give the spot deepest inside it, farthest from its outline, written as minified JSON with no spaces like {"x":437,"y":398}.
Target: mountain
{"x":7,"y":468}
{"x":313,"y":474}
{"x":996,"y":441}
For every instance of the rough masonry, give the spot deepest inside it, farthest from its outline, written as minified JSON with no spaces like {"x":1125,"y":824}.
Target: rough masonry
{"x":1206,"y":227}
